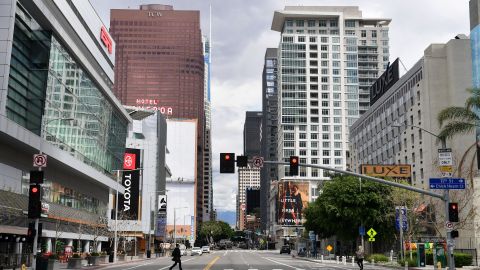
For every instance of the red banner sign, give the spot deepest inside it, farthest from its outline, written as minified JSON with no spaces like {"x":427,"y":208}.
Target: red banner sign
{"x":106,"y":39}
{"x":129,"y":161}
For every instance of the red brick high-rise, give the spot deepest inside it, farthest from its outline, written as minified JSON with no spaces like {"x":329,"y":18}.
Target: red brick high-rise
{"x":159,"y":65}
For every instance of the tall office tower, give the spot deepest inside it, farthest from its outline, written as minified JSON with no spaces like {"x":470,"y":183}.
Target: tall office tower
{"x":159,"y":66}
{"x":323,"y":51}
{"x":249,"y":177}
{"x":207,"y":165}
{"x":269,"y":132}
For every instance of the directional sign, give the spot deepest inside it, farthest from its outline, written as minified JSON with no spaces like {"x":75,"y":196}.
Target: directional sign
{"x":258,"y":162}
{"x":40,"y":160}
{"x":329,"y":248}
{"x":404,"y":218}
{"x":447,"y":183}
{"x":361,"y":230}
{"x":445,"y":157}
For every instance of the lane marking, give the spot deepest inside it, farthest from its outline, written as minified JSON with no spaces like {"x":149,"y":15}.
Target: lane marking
{"x":282,"y":263}
{"x":211,"y":263}
{"x":182,"y":262}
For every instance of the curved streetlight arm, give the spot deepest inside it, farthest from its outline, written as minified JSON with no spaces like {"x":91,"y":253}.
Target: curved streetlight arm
{"x":444,"y":144}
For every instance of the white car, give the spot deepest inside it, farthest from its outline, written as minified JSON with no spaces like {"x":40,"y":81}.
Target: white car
{"x":205,"y":249}
{"x":196,"y":251}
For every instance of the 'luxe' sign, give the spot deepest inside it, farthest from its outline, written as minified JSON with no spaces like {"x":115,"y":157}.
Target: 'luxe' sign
{"x":387,"y":80}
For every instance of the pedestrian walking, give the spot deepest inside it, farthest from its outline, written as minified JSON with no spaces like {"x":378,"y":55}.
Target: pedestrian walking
{"x":176,"y":258}
{"x":360,"y":254}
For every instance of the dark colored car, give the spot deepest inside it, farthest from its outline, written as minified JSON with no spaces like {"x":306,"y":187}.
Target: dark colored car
{"x":285,"y":249}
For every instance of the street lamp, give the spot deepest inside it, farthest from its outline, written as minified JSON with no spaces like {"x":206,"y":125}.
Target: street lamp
{"x":446,"y":197}
{"x":174,"y":223}
{"x":116,"y":212}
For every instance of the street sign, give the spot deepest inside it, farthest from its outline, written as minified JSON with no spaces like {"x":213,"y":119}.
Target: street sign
{"x":311,"y":235}
{"x":404,"y":218}
{"x":329,"y":248}
{"x":448,"y":226}
{"x":447,"y":183}
{"x":258,"y":162}
{"x":372,"y":234}
{"x":361,"y":230}
{"x":451,"y":242}
{"x":448,"y":169}
{"x":40,"y":160}
{"x":445,"y":157}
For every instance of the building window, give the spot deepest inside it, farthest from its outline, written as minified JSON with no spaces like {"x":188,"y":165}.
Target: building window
{"x":311,"y":23}
{"x":374,"y":33}
{"x":299,"y":23}
{"x":363,"y":33}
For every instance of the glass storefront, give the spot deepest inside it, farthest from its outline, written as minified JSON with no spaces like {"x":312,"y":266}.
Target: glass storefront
{"x":52,"y":95}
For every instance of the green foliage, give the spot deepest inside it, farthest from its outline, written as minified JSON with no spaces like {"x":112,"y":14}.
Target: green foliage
{"x":95,"y":254}
{"x":412,"y":262}
{"x":342,"y":208}
{"x":53,"y":256}
{"x":217,"y":229}
{"x":76,"y":256}
{"x":462,"y":259}
{"x":377,"y":258}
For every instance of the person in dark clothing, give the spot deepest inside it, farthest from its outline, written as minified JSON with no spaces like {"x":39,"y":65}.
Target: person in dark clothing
{"x":176,"y":258}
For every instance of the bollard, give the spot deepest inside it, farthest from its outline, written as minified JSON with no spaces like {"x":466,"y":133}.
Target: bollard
{"x":344,"y":260}
{"x":322,"y":258}
{"x":337,"y":260}
{"x":439,"y":265}
{"x":373,"y":261}
{"x":353,"y":261}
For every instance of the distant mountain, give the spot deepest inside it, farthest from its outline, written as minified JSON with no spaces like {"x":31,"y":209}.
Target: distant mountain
{"x":228,"y":216}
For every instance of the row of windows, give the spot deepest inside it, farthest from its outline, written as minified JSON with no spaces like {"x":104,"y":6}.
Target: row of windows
{"x":311,"y":23}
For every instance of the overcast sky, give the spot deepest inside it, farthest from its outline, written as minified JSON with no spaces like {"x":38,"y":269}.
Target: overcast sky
{"x":241,"y":33}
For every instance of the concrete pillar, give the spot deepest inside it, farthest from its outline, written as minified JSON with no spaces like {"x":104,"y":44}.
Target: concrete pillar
{"x":70,"y":242}
{"x":48,"y":242}
{"x":99,"y":246}
{"x":86,"y":246}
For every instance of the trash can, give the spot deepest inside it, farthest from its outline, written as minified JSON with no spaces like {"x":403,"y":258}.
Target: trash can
{"x":110,"y":257}
{"x":149,"y":254}
{"x":439,"y":255}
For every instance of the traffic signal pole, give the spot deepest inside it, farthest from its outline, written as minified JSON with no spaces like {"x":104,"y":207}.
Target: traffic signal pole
{"x":35,"y":239}
{"x":445,"y":197}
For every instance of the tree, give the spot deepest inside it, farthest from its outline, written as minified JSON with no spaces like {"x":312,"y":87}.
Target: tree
{"x":216,"y":229}
{"x":345,"y":204}
{"x":457,"y":120}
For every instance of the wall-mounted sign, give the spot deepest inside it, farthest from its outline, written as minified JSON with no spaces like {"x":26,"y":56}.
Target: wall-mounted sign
{"x":106,"y":39}
{"x":162,"y":204}
{"x":154,"y":14}
{"x":153,"y":105}
{"x":387,"y":80}
{"x":130,"y":181}
{"x":394,"y":171}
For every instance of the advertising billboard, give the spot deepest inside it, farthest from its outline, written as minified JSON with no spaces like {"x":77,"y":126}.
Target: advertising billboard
{"x":160,"y":230}
{"x":386,"y":80}
{"x":292,"y":200}
{"x":393,"y":171}
{"x":131,"y":182}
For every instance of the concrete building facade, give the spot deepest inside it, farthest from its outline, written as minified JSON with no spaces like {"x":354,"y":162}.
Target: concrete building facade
{"x":56,"y":98}
{"x":396,"y":129}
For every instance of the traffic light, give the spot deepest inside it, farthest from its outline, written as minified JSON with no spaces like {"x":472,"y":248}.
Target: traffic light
{"x":293,"y":165}
{"x":31,"y":232}
{"x":34,"y":202}
{"x":36,"y":177}
{"x":454,"y":234}
{"x":453,"y":212}
{"x":227,"y":162}
{"x":242,"y":161}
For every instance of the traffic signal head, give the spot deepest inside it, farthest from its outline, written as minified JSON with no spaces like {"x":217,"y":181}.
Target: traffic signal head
{"x":454,"y":234}
{"x":242,"y":161}
{"x":293,"y":165}
{"x":227,"y":162}
{"x":34,"y":202}
{"x":31,"y":232}
{"x":36,"y":177}
{"x":453,"y":212}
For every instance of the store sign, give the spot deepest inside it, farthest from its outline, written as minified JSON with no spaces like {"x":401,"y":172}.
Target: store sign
{"x":153,"y":105}
{"x":154,"y":14}
{"x":130,"y":181}
{"x":387,"y":80}
{"x":106,"y":39}
{"x":394,"y":171}
{"x":162,"y":204}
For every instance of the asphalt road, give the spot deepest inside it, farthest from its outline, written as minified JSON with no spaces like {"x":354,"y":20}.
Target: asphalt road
{"x":237,"y":260}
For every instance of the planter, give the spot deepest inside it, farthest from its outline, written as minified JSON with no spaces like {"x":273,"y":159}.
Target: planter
{"x":103,"y":259}
{"x":121,"y":257}
{"x":74,"y":263}
{"x":94,"y":260}
{"x":52,"y":264}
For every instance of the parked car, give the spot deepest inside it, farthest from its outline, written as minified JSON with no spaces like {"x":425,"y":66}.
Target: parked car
{"x":183,"y":250}
{"x":196,"y":251}
{"x":205,"y":249}
{"x":285,"y":249}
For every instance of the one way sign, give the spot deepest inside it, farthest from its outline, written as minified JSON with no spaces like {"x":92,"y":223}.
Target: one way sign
{"x":162,"y":204}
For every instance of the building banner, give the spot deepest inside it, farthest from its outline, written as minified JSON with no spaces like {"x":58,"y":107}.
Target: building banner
{"x":292,"y":200}
{"x":161,"y":226}
{"x":475,"y":44}
{"x":131,"y":182}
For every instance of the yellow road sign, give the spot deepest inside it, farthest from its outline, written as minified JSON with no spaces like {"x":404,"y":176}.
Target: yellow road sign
{"x":372,"y":233}
{"x":371,"y":239}
{"x":329,"y":248}
{"x":446,"y":168}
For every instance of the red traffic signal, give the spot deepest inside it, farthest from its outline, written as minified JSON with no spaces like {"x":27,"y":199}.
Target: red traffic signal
{"x":453,"y":212}
{"x":34,"y":202}
{"x":227,"y":162}
{"x":293,"y":165}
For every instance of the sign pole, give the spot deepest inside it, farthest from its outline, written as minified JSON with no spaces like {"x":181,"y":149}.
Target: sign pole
{"x":401,"y":232}
{"x":451,"y":258}
{"x":116,"y":218}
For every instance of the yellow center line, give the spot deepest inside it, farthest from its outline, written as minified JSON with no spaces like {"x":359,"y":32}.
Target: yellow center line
{"x":211,"y":263}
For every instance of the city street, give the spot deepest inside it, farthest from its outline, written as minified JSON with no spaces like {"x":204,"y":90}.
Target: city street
{"x":238,"y":260}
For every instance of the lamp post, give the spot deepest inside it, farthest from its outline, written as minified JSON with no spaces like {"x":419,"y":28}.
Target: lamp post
{"x":174,"y":224}
{"x":116,"y":212}
{"x":446,"y":198}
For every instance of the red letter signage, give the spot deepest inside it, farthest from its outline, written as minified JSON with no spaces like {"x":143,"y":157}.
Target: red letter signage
{"x":106,"y":39}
